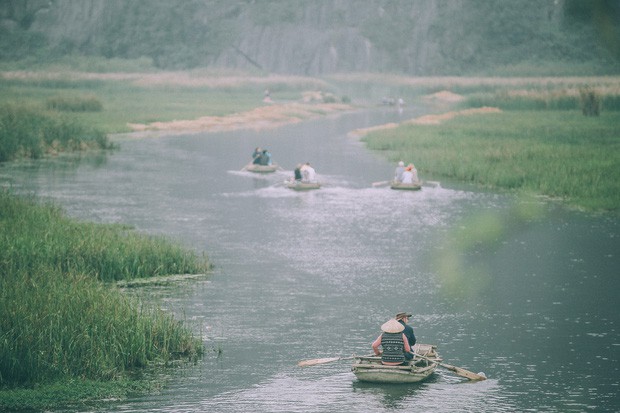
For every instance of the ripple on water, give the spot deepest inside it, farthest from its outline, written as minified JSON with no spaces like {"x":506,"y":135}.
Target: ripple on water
{"x":321,"y":391}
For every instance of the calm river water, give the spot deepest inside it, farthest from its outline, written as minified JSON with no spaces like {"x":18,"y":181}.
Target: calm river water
{"x":520,"y":289}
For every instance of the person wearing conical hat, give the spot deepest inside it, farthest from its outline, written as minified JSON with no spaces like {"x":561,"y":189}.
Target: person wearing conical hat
{"x":394,"y":344}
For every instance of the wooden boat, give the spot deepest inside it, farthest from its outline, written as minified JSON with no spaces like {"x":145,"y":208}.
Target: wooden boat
{"x":261,"y":169}
{"x":302,"y":186}
{"x":370,"y":369}
{"x":416,"y":186}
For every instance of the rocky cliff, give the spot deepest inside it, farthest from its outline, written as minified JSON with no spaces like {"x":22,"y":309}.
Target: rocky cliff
{"x":416,"y":37}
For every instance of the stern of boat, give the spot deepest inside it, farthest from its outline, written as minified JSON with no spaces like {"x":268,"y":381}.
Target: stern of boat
{"x":370,"y":369}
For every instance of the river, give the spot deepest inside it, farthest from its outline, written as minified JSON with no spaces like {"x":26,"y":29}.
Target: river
{"x":523,"y":290}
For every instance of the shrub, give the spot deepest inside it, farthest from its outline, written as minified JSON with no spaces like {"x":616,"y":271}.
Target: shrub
{"x":28,"y":132}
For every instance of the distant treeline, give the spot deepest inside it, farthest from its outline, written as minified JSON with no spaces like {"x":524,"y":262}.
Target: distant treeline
{"x":428,"y":37}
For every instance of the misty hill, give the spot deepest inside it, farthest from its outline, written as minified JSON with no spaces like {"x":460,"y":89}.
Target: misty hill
{"x":413,"y":37}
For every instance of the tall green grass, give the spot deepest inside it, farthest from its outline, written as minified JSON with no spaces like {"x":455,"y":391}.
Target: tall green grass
{"x":127,"y":98}
{"x":554,"y":153}
{"x":31,"y":132}
{"x":58,"y":320}
{"x":58,"y":325}
{"x":560,"y":99}
{"x":33,"y":236}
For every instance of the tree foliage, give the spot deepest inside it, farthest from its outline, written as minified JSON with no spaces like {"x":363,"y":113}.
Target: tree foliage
{"x":453,"y":37}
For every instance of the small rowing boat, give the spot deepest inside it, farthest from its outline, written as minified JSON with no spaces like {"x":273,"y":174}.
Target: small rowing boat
{"x":416,"y":186}
{"x":261,"y":169}
{"x":302,"y":185}
{"x":370,"y":369}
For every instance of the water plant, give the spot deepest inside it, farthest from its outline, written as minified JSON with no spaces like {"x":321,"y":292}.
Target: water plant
{"x":585,"y":98}
{"x":58,"y":320}
{"x":554,"y":153}
{"x":41,"y":235}
{"x":30,"y":132}
{"x":71,"y":394}
{"x":60,"y":325}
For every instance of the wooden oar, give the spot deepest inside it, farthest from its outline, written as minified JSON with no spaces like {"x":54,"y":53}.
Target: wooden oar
{"x":458,"y":370}
{"x":314,"y":362}
{"x":380,"y":183}
{"x":432,"y":183}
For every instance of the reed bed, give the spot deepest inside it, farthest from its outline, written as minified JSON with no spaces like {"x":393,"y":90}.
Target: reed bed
{"x":554,"y":153}
{"x":30,"y":132}
{"x":477,"y":82}
{"x":58,"y":320}
{"x":147,"y":97}
{"x":69,"y":394}
{"x":570,"y":98}
{"x":74,"y":104}
{"x":526,"y":93}
{"x":34,"y":235}
{"x":57,"y":325}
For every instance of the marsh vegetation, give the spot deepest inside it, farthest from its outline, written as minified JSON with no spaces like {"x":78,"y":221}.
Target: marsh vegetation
{"x":560,"y":154}
{"x":63,"y":318}
{"x":30,"y":132}
{"x":536,"y":140}
{"x":61,"y":321}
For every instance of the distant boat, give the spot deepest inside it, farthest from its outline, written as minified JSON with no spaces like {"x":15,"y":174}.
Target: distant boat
{"x":416,"y":186}
{"x":370,"y":369}
{"x":302,"y":186}
{"x":261,"y":169}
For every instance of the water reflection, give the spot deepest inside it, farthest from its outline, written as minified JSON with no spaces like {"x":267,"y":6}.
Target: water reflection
{"x":392,"y":396}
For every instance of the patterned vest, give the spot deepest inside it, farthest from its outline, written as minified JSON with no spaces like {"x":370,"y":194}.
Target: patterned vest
{"x":393,"y":347}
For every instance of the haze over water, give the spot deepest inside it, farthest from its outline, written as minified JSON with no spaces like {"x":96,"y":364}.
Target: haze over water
{"x":523,"y":290}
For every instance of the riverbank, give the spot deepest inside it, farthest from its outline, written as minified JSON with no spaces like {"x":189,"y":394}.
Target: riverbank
{"x":557,"y":154}
{"x":192,"y":100}
{"x":266,"y":117}
{"x":60,"y":269}
{"x":69,"y":335}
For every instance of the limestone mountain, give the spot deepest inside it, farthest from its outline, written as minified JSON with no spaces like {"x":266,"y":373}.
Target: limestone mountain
{"x":315,"y":37}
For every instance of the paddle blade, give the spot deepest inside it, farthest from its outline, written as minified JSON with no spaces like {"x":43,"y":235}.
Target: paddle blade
{"x":464,"y":373}
{"x":314,"y":362}
{"x":380,"y":183}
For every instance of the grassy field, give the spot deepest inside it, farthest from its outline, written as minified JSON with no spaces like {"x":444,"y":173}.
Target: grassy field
{"x":124,"y":102}
{"x":149,"y":97}
{"x":35,"y":237}
{"x":540,"y":143}
{"x":60,"y":323}
{"x":559,"y":154}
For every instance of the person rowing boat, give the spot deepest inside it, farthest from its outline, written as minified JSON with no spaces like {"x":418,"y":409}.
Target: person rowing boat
{"x":395,"y":348}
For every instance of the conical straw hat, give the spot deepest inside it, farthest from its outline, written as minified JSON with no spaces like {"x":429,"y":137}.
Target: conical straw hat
{"x":392,"y":326}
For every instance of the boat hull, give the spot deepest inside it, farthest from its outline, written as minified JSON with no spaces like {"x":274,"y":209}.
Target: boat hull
{"x":370,"y":369}
{"x":303,"y":186}
{"x":261,"y":169}
{"x":406,"y":187}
